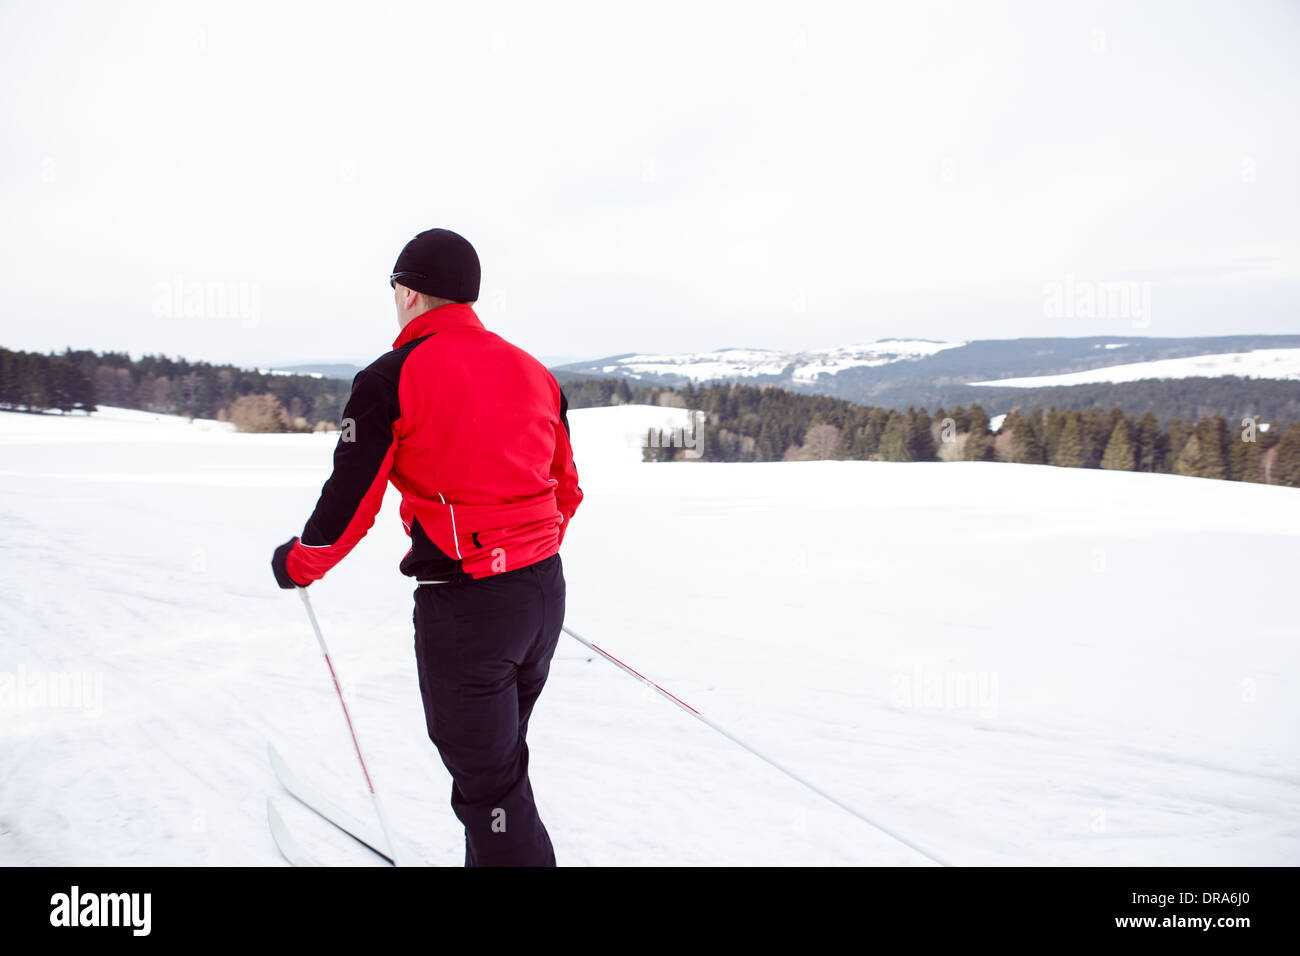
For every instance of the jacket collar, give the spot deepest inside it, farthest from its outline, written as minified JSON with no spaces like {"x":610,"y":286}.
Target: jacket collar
{"x":453,"y":315}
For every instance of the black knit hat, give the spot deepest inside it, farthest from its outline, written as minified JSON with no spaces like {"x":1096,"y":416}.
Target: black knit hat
{"x":438,"y":262}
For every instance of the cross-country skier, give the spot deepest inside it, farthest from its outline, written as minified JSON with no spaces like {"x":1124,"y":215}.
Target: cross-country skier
{"x":474,"y":433}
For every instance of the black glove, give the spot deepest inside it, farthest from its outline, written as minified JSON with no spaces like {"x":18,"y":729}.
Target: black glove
{"x":279,"y":565}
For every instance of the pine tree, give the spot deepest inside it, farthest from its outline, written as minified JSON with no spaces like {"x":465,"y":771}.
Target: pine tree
{"x":1246,"y":460}
{"x":1177,"y":435}
{"x":979,"y":441}
{"x":1149,"y":444}
{"x":1213,"y":433}
{"x":1069,"y":447}
{"x":875,"y":427}
{"x":1119,"y":450}
{"x":1038,"y":426}
{"x":1026,"y":443}
{"x":1053,"y":426}
{"x":920,"y":442}
{"x":1286,"y":470}
{"x":1096,"y":429}
{"x":1189,"y":460}
{"x":894,"y":445}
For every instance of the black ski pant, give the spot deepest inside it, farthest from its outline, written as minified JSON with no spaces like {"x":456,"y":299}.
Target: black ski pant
{"x":483,"y":648}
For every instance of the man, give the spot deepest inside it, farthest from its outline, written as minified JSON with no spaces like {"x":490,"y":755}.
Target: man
{"x":474,"y":433}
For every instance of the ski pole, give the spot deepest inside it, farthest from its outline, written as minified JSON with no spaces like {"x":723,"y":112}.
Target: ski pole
{"x":761,"y":756}
{"x":325,"y":652}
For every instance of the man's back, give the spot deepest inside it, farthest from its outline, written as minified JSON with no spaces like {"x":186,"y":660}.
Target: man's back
{"x":473,"y":431}
{"x":483,"y":457}
{"x":479,"y":420}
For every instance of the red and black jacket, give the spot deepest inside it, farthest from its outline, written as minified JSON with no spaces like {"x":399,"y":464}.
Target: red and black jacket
{"x":473,"y":432}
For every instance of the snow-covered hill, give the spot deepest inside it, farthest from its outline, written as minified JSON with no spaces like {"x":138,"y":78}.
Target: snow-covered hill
{"x":1011,"y":664}
{"x":802,"y":367}
{"x":1259,"y":363}
{"x":919,"y":373}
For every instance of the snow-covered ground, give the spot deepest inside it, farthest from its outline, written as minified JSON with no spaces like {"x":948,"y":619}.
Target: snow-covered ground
{"x":1260,"y":363}
{"x":1009,"y":664}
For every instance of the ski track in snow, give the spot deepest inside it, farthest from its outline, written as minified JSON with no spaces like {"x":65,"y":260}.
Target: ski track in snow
{"x":1136,"y":629}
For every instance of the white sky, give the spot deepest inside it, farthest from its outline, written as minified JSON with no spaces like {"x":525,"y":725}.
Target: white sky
{"x":644,"y":177}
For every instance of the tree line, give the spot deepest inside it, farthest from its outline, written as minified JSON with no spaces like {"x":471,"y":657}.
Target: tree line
{"x":83,"y":380}
{"x":36,"y":382}
{"x":1191,"y":398}
{"x":758,"y":423}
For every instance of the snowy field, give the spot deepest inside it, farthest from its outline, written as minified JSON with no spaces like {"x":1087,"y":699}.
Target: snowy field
{"x":1010,"y":664}
{"x":1260,"y":363}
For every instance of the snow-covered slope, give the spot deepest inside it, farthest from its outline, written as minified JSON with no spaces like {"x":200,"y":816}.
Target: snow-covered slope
{"x":803,"y":367}
{"x":108,"y":425}
{"x":1012,"y":664}
{"x":1260,"y":363}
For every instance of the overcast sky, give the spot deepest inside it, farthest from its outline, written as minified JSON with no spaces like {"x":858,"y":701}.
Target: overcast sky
{"x":233,"y":182}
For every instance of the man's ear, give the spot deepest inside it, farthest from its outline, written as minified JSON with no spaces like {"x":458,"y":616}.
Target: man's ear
{"x":407,"y":296}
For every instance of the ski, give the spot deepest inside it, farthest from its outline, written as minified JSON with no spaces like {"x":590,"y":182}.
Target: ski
{"x":367,"y":835}
{"x":284,"y":840}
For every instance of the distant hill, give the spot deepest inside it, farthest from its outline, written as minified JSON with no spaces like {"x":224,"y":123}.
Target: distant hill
{"x":898,"y":373}
{"x":340,"y":370}
{"x":760,"y":366}
{"x":855,"y":368}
